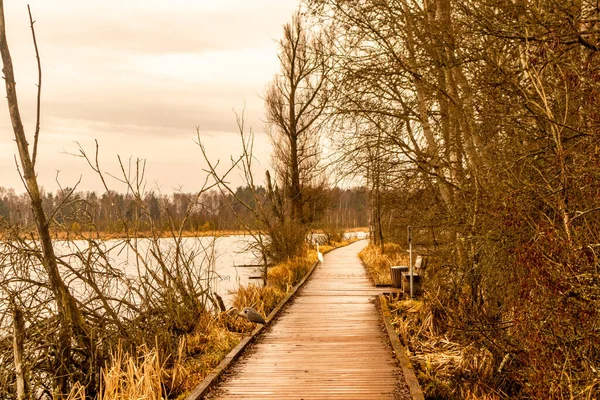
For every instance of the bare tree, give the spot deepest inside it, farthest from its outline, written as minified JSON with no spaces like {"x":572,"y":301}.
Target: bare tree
{"x":296,"y":102}
{"x":70,"y":302}
{"x":275,"y":236}
{"x":72,"y":324}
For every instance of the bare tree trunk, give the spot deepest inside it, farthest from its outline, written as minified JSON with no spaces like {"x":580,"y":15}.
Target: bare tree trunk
{"x":295,"y":191}
{"x":18,"y":339}
{"x":374,"y":168}
{"x":378,"y":205}
{"x":71,"y":320}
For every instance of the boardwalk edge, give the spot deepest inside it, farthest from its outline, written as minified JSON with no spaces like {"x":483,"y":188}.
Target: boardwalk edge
{"x":204,"y":387}
{"x":401,"y":353}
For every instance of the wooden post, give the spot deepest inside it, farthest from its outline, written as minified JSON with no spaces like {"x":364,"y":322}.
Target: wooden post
{"x":410,"y":263}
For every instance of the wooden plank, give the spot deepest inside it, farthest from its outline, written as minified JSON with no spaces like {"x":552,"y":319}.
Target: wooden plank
{"x":203,"y":388}
{"x":328,"y":344}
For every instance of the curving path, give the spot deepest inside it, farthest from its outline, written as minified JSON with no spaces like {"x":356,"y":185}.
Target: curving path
{"x":328,"y":344}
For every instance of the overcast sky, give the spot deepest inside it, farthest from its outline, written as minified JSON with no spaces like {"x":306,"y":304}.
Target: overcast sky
{"x":139,"y":76}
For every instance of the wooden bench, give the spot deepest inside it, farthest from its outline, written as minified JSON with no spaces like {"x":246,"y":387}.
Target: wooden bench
{"x":406,"y":282}
{"x":401,"y":276}
{"x":417,"y":268}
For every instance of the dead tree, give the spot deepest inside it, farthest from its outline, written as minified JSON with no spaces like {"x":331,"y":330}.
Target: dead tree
{"x":72,"y":325}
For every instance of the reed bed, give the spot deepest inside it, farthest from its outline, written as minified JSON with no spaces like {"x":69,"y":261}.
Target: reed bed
{"x":131,"y":377}
{"x":145,"y":374}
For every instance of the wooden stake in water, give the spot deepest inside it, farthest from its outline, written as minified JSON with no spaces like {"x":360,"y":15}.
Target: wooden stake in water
{"x":410,"y":263}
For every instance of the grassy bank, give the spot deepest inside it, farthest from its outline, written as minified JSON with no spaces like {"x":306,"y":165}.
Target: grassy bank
{"x":446,"y":369}
{"x":150,"y":374}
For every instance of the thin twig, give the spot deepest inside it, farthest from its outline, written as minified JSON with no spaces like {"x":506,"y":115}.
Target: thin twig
{"x":39,"y":92}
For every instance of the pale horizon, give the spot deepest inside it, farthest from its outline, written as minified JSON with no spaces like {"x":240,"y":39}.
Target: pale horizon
{"x":139,"y":77}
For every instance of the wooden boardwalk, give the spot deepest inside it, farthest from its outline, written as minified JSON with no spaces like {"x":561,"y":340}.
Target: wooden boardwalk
{"x":328,"y":344}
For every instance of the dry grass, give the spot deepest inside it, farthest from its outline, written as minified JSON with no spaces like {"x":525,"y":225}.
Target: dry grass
{"x":86,"y":234}
{"x":133,"y":377}
{"x":445,"y":369}
{"x":286,"y":275}
{"x":147,"y":376}
{"x":203,"y":351}
{"x":77,"y":392}
{"x":326,"y":248}
{"x":150,"y":375}
{"x":378,"y":265}
{"x":263,"y":300}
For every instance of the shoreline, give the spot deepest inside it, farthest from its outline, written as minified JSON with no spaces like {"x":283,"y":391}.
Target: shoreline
{"x":86,"y":235}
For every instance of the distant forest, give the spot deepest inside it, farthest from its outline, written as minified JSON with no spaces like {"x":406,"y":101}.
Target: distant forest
{"x":110,"y":211}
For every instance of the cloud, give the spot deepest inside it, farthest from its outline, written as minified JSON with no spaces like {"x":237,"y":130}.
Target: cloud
{"x":139,"y":76}
{"x":172,"y":162}
{"x":154,"y":26}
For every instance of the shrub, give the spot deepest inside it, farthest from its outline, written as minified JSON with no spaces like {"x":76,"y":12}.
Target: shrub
{"x":333,"y":234}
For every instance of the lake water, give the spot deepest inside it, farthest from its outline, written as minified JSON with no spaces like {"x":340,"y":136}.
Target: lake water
{"x":216,"y":263}
{"x":220,"y":262}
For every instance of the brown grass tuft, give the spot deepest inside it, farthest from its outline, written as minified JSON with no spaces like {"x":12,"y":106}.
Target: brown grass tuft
{"x":263,"y":300}
{"x":203,"y":351}
{"x":286,"y":275}
{"x":378,"y":265}
{"x":77,"y":392}
{"x":133,"y":377}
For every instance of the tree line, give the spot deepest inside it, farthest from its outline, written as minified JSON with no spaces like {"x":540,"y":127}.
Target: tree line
{"x":109,"y":212}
